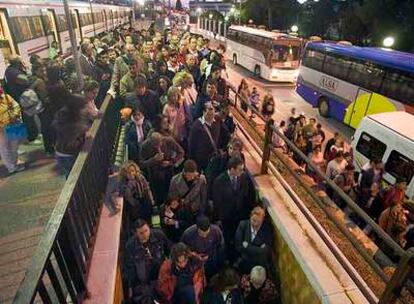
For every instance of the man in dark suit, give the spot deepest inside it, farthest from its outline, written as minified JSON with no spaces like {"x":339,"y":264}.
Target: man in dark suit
{"x":145,"y":100}
{"x":230,"y":200}
{"x":86,"y":59}
{"x":204,"y":133}
{"x":254,"y":241}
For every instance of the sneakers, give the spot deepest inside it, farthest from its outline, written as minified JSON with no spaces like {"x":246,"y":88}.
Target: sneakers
{"x":19,"y":168}
{"x":36,"y":142}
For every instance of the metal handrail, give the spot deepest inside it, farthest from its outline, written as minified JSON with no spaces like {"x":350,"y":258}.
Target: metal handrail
{"x":388,"y":241}
{"x":66,"y":245}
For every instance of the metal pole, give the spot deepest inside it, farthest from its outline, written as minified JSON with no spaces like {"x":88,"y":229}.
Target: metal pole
{"x":133,"y":12}
{"x":239,"y":11}
{"x":93,"y":18}
{"x":74,"y":46}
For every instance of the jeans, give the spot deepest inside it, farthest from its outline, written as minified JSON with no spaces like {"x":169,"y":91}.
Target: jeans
{"x":65,"y":164}
{"x":32,"y":130}
{"x":184,"y":295}
{"x":8,"y":151}
{"x":49,"y":135}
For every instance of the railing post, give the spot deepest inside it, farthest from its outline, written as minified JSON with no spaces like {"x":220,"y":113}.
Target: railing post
{"x":395,"y":285}
{"x":267,"y":145}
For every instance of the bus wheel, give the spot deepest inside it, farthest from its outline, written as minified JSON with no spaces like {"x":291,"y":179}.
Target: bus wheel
{"x":323,"y":107}
{"x":257,"y":71}
{"x":234,"y":59}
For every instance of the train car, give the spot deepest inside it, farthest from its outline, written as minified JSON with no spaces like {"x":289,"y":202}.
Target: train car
{"x":28,"y":28}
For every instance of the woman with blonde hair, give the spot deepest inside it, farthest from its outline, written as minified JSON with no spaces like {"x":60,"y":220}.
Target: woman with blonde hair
{"x":174,"y":110}
{"x":136,"y":192}
{"x":185,"y":82}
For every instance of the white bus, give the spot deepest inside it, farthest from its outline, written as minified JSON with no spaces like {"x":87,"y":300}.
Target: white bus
{"x":270,"y":55}
{"x":386,"y":136}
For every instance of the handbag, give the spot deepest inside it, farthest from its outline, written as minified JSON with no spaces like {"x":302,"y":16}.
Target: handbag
{"x":16,"y":131}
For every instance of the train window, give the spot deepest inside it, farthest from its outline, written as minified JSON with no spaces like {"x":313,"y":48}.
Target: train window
{"x":36,"y":27}
{"x":61,"y":23}
{"x":370,"y":147}
{"x":313,"y":59}
{"x":21,"y":28}
{"x":400,"y":166}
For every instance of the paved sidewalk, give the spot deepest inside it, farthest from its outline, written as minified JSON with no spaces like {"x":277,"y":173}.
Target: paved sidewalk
{"x":27,"y":199}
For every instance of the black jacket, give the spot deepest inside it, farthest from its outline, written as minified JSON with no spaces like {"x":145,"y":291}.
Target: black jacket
{"x":70,"y":131}
{"x":257,"y":251}
{"x":142,"y":265}
{"x":131,"y":139}
{"x":200,"y":146}
{"x":149,"y":104}
{"x":230,"y":204}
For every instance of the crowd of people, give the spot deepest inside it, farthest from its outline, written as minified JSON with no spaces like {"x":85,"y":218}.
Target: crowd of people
{"x":213,"y":244}
{"x":194,"y":229}
{"x":386,"y":204}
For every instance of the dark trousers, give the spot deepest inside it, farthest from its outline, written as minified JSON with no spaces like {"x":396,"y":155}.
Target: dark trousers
{"x":49,"y":135}
{"x":32,"y":131}
{"x":184,"y":295}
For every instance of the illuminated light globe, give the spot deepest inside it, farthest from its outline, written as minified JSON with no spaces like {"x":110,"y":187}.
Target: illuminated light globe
{"x":210,"y":16}
{"x":388,"y":42}
{"x":302,"y":1}
{"x":226,"y":18}
{"x":199,"y":9}
{"x":140,"y":2}
{"x":294,"y":28}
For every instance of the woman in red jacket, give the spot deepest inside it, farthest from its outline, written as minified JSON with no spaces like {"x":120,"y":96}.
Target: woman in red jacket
{"x":181,"y":278}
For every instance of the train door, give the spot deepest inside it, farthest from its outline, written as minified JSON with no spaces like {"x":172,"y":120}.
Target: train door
{"x":105,"y":21}
{"x":6,"y":43}
{"x":76,"y":20}
{"x":52,"y":25}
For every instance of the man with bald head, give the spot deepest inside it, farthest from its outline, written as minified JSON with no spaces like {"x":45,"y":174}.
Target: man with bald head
{"x":254,"y":241}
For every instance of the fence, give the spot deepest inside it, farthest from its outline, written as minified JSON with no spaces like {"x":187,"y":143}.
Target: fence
{"x":400,"y":278}
{"x":59,"y":266}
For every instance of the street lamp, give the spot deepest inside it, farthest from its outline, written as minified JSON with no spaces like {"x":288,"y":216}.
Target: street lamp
{"x":232,"y":9}
{"x":294,"y":28}
{"x":388,"y":42}
{"x":199,"y":10}
{"x":226,"y":18}
{"x":210,"y":16}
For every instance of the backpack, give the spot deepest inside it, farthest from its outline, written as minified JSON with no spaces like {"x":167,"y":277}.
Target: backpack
{"x":30,"y":102}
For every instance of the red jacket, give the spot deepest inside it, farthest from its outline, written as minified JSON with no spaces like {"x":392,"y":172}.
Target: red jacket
{"x":167,"y":281}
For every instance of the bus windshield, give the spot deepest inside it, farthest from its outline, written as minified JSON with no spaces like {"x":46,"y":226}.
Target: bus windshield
{"x":285,"y":56}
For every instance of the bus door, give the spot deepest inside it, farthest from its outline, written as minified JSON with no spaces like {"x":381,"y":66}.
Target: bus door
{"x":6,"y":43}
{"x":53,"y":28}
{"x":359,"y":107}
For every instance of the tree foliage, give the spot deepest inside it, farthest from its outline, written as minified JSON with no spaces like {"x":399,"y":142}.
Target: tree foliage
{"x":363,"y":22}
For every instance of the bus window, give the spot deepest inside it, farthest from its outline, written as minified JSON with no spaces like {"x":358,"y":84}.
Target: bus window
{"x":313,"y":59}
{"x":370,"y":147}
{"x":399,"y":86}
{"x":400,"y":166}
{"x":285,"y":56}
{"x":336,"y":66}
{"x":366,"y":75}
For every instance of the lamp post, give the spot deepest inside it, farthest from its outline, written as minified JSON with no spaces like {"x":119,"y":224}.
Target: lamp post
{"x":294,"y":28}
{"x":74,"y":46}
{"x":198,"y":10}
{"x":388,"y":42}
